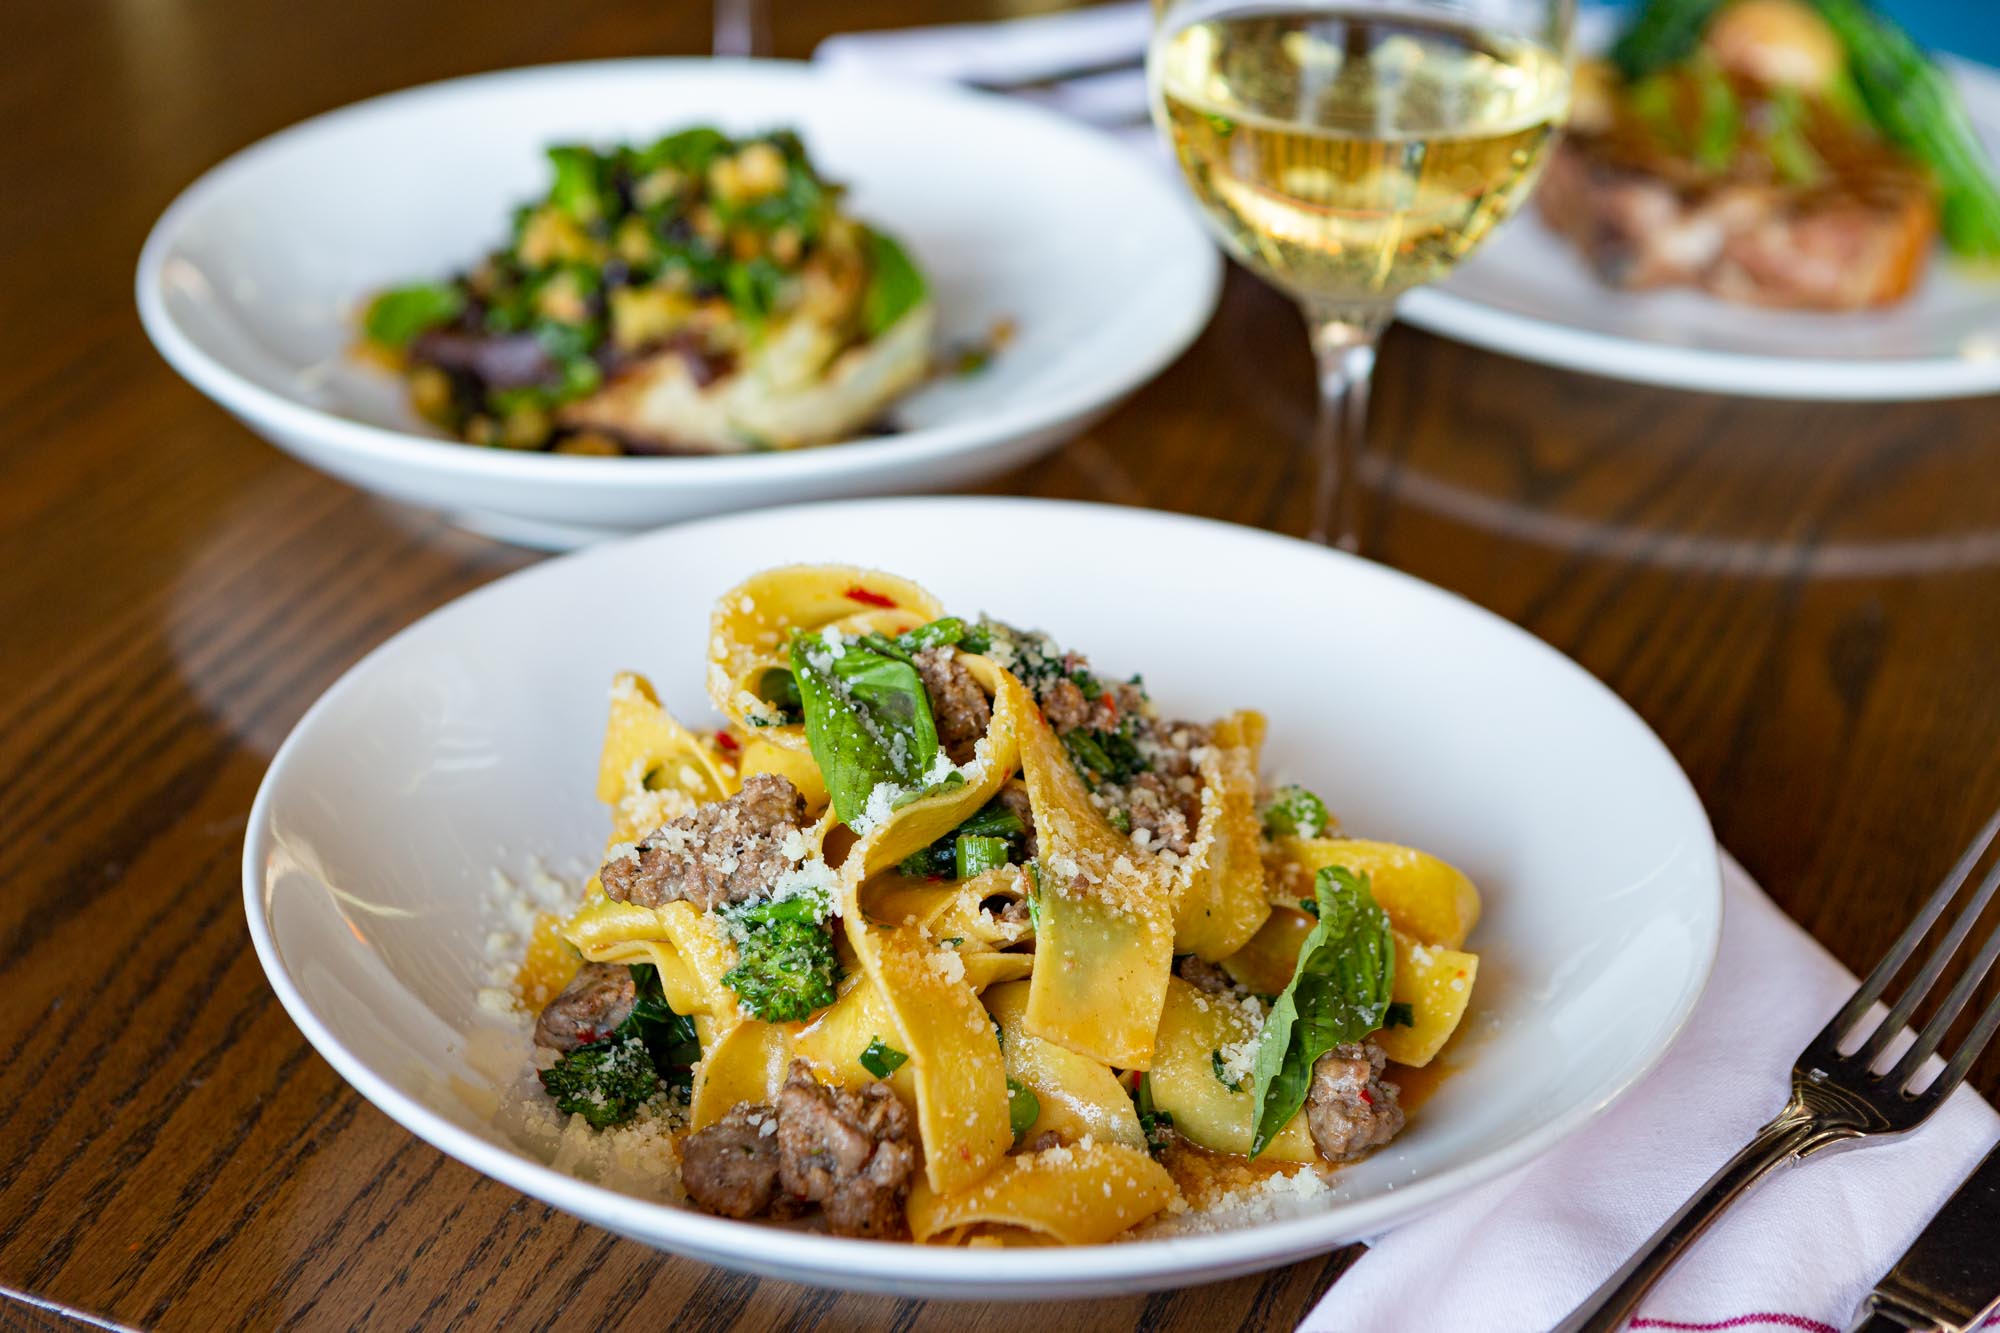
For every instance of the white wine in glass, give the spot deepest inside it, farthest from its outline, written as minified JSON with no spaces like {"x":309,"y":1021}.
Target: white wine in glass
{"x":1348,"y":153}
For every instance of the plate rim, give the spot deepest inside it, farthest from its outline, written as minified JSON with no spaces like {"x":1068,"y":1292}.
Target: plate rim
{"x":983,"y":1274}
{"x":1834,"y":379}
{"x":440,"y":456}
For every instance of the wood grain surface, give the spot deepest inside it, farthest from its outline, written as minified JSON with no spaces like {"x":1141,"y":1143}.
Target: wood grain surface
{"x":1803,"y":599}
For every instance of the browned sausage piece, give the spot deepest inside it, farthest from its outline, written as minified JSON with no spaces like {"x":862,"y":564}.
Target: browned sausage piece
{"x":1351,"y":1107}
{"x":958,"y":705}
{"x":850,"y":1151}
{"x":726,"y":852}
{"x":731,"y":1168}
{"x":590,"y":1008}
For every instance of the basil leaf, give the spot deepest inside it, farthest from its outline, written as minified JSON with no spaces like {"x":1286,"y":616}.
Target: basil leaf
{"x":881,"y":1060}
{"x":868,"y":721}
{"x":1222,"y":1072}
{"x":895,"y":287}
{"x":1338,"y":993}
{"x":1400,"y":1015}
{"x":401,"y":313}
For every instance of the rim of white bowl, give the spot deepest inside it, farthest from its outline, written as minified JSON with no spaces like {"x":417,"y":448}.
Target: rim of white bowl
{"x":258,"y":403}
{"x":1254,"y":1246}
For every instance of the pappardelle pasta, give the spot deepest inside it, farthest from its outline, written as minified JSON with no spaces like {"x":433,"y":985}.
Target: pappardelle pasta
{"x":945,"y":936}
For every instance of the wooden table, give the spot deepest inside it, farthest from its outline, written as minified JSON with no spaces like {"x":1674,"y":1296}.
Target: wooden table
{"x":1803,"y":600}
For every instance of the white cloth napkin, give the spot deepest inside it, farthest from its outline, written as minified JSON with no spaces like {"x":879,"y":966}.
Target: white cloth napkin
{"x":1797,"y":1254}
{"x":1083,"y":48}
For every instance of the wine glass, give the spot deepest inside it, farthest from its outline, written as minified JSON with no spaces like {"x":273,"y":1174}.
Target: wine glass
{"x":1347,"y":152}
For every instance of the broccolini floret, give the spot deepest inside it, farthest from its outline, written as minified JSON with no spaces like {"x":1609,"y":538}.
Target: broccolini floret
{"x":651,"y":1055}
{"x":605,"y":1082}
{"x":785,"y":963}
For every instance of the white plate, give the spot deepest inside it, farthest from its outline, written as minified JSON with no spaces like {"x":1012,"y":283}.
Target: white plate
{"x":250,"y":283}
{"x":471,"y":739}
{"x":1528,"y":293}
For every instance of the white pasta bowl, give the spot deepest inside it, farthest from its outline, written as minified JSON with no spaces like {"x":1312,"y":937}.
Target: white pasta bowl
{"x":469,"y":742}
{"x":251,"y":282}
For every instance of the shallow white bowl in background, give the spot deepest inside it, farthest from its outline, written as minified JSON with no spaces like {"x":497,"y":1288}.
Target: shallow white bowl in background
{"x":251,"y":282}
{"x":470,"y":740}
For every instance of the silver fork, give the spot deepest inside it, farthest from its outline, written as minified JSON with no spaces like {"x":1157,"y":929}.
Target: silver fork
{"x":1836,"y":1099}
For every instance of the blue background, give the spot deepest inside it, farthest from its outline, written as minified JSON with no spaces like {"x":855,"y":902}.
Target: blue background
{"x":1969,"y":28}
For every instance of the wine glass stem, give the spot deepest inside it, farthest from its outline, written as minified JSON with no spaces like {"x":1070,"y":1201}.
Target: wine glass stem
{"x":1344,"y":348}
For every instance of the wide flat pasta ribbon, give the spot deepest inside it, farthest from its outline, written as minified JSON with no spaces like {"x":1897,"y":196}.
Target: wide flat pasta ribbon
{"x":750,"y":630}
{"x":652,"y":768}
{"x":1077,"y":1194}
{"x":746,"y":1063}
{"x":1219,"y":897}
{"x":925,"y":987}
{"x":1104,"y":936}
{"x":1078,"y":1096}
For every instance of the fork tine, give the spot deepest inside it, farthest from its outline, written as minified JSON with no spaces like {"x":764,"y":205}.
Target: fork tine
{"x":1885,"y":971}
{"x":1975,"y":1042}
{"x":1920,"y":985}
{"x":1954,"y":1003}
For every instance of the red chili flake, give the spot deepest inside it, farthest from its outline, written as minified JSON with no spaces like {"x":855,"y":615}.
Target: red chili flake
{"x":965,"y":1153}
{"x":725,"y":741}
{"x":1110,"y":702}
{"x":1366,"y":1098}
{"x":867,"y":598}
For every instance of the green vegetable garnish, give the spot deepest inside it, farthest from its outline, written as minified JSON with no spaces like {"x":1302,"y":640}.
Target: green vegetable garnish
{"x":895,"y":287}
{"x":398,"y":315}
{"x":652,"y":1053}
{"x":881,"y":1060}
{"x":868,"y":721}
{"x":1338,"y":993}
{"x":1661,"y":33}
{"x":786,"y":967}
{"x":977,"y":855}
{"x":1719,"y":119}
{"x":1222,"y":1072}
{"x":1399,"y":1015}
{"x":780,"y":688}
{"x":1024,"y":1108}
{"x":578,"y":188}
{"x":1913,"y":102}
{"x":1294,"y":812}
{"x":605,"y":1082}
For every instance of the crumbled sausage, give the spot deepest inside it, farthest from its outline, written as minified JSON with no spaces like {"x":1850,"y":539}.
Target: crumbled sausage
{"x":726,"y":852}
{"x":731,"y":1167}
{"x":1042,"y":1142}
{"x":1168,"y":809}
{"x":1014,"y":799}
{"x":850,"y":1151}
{"x":1351,"y":1107}
{"x":1170,"y":747}
{"x":589,"y":1009}
{"x":1204,"y":975}
{"x":1065,"y":707}
{"x":958,"y":705}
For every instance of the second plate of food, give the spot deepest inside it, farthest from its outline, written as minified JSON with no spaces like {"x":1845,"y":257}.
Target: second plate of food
{"x":569,"y":302}
{"x":785,"y":888}
{"x":1736,"y":218}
